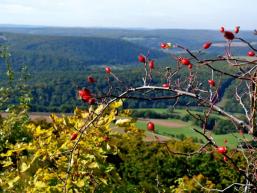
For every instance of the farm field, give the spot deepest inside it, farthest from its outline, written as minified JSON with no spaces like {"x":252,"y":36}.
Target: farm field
{"x":187,"y":131}
{"x":180,"y":129}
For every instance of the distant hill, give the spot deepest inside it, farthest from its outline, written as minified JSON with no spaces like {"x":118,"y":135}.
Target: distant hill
{"x":71,"y":53}
{"x":149,"y":38}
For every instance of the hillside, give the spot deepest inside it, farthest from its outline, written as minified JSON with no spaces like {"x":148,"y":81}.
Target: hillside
{"x":60,"y":59}
{"x":119,"y":39}
{"x":44,"y":53}
{"x":149,"y":38}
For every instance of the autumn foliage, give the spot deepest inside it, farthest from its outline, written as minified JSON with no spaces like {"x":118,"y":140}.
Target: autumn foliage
{"x":99,"y":148}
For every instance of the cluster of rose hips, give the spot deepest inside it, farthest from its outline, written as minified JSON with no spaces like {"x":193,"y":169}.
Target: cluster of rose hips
{"x":143,"y":59}
{"x":223,"y":150}
{"x":86,"y":96}
{"x":230,"y":36}
{"x":185,"y":61}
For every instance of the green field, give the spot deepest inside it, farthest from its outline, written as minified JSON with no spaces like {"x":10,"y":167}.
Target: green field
{"x":180,"y":111}
{"x":187,"y":130}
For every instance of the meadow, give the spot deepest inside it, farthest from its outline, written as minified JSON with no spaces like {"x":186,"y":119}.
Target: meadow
{"x":181,"y":129}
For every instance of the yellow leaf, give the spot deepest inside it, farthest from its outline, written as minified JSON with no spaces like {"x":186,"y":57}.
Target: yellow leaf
{"x":108,"y":147}
{"x":80,"y":113}
{"x":77,"y":111}
{"x":103,"y":180}
{"x":93,"y":165}
{"x":123,"y":122}
{"x":116,"y":104}
{"x":53,"y":117}
{"x":127,"y":112}
{"x":24,"y":167}
{"x":39,"y":184}
{"x":39,"y":131}
{"x":13,"y":181}
{"x":99,"y":109}
{"x":79,"y":124}
{"x":62,"y":175}
{"x":64,"y":145}
{"x":65,"y":121}
{"x":80,"y":183}
{"x":36,"y":155}
{"x":84,"y":114}
{"x":7,"y":163}
{"x":7,"y":154}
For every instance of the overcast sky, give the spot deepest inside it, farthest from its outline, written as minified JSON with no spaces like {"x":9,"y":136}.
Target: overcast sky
{"x":198,"y":14}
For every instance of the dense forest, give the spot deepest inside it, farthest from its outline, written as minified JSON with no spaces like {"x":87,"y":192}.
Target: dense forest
{"x":53,"y":56}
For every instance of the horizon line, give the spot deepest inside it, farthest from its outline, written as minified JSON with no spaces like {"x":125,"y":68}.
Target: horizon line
{"x":106,"y":27}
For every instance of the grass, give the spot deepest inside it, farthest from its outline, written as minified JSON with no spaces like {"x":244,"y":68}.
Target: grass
{"x":179,"y":111}
{"x":157,"y":110}
{"x":187,"y":131}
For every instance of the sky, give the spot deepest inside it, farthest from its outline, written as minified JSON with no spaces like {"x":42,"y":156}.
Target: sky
{"x":186,"y":14}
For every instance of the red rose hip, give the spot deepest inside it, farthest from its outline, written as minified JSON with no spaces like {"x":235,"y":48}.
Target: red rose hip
{"x":163,"y":45}
{"x":237,"y":29}
{"x":211,"y":82}
{"x":222,"y":150}
{"x":91,"y":101}
{"x":229,"y":35}
{"x":90,"y":79}
{"x":185,"y":61}
{"x":222,"y":29}
{"x":150,"y":126}
{"x":207,"y":45}
{"x":74,"y":136}
{"x":190,"y":66}
{"x":151,"y":64}
{"x":141,"y":58}
{"x":108,"y":70}
{"x":84,"y":92}
{"x":251,"y":53}
{"x":106,"y":138}
{"x":166,"y":85}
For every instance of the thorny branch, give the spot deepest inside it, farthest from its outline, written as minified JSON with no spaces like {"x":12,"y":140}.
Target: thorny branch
{"x":246,"y":73}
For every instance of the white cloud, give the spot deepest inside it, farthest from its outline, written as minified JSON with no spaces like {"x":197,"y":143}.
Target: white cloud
{"x":15,"y":8}
{"x":131,"y":13}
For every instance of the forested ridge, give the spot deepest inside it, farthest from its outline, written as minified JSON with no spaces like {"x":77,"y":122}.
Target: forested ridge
{"x":52,"y":59}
